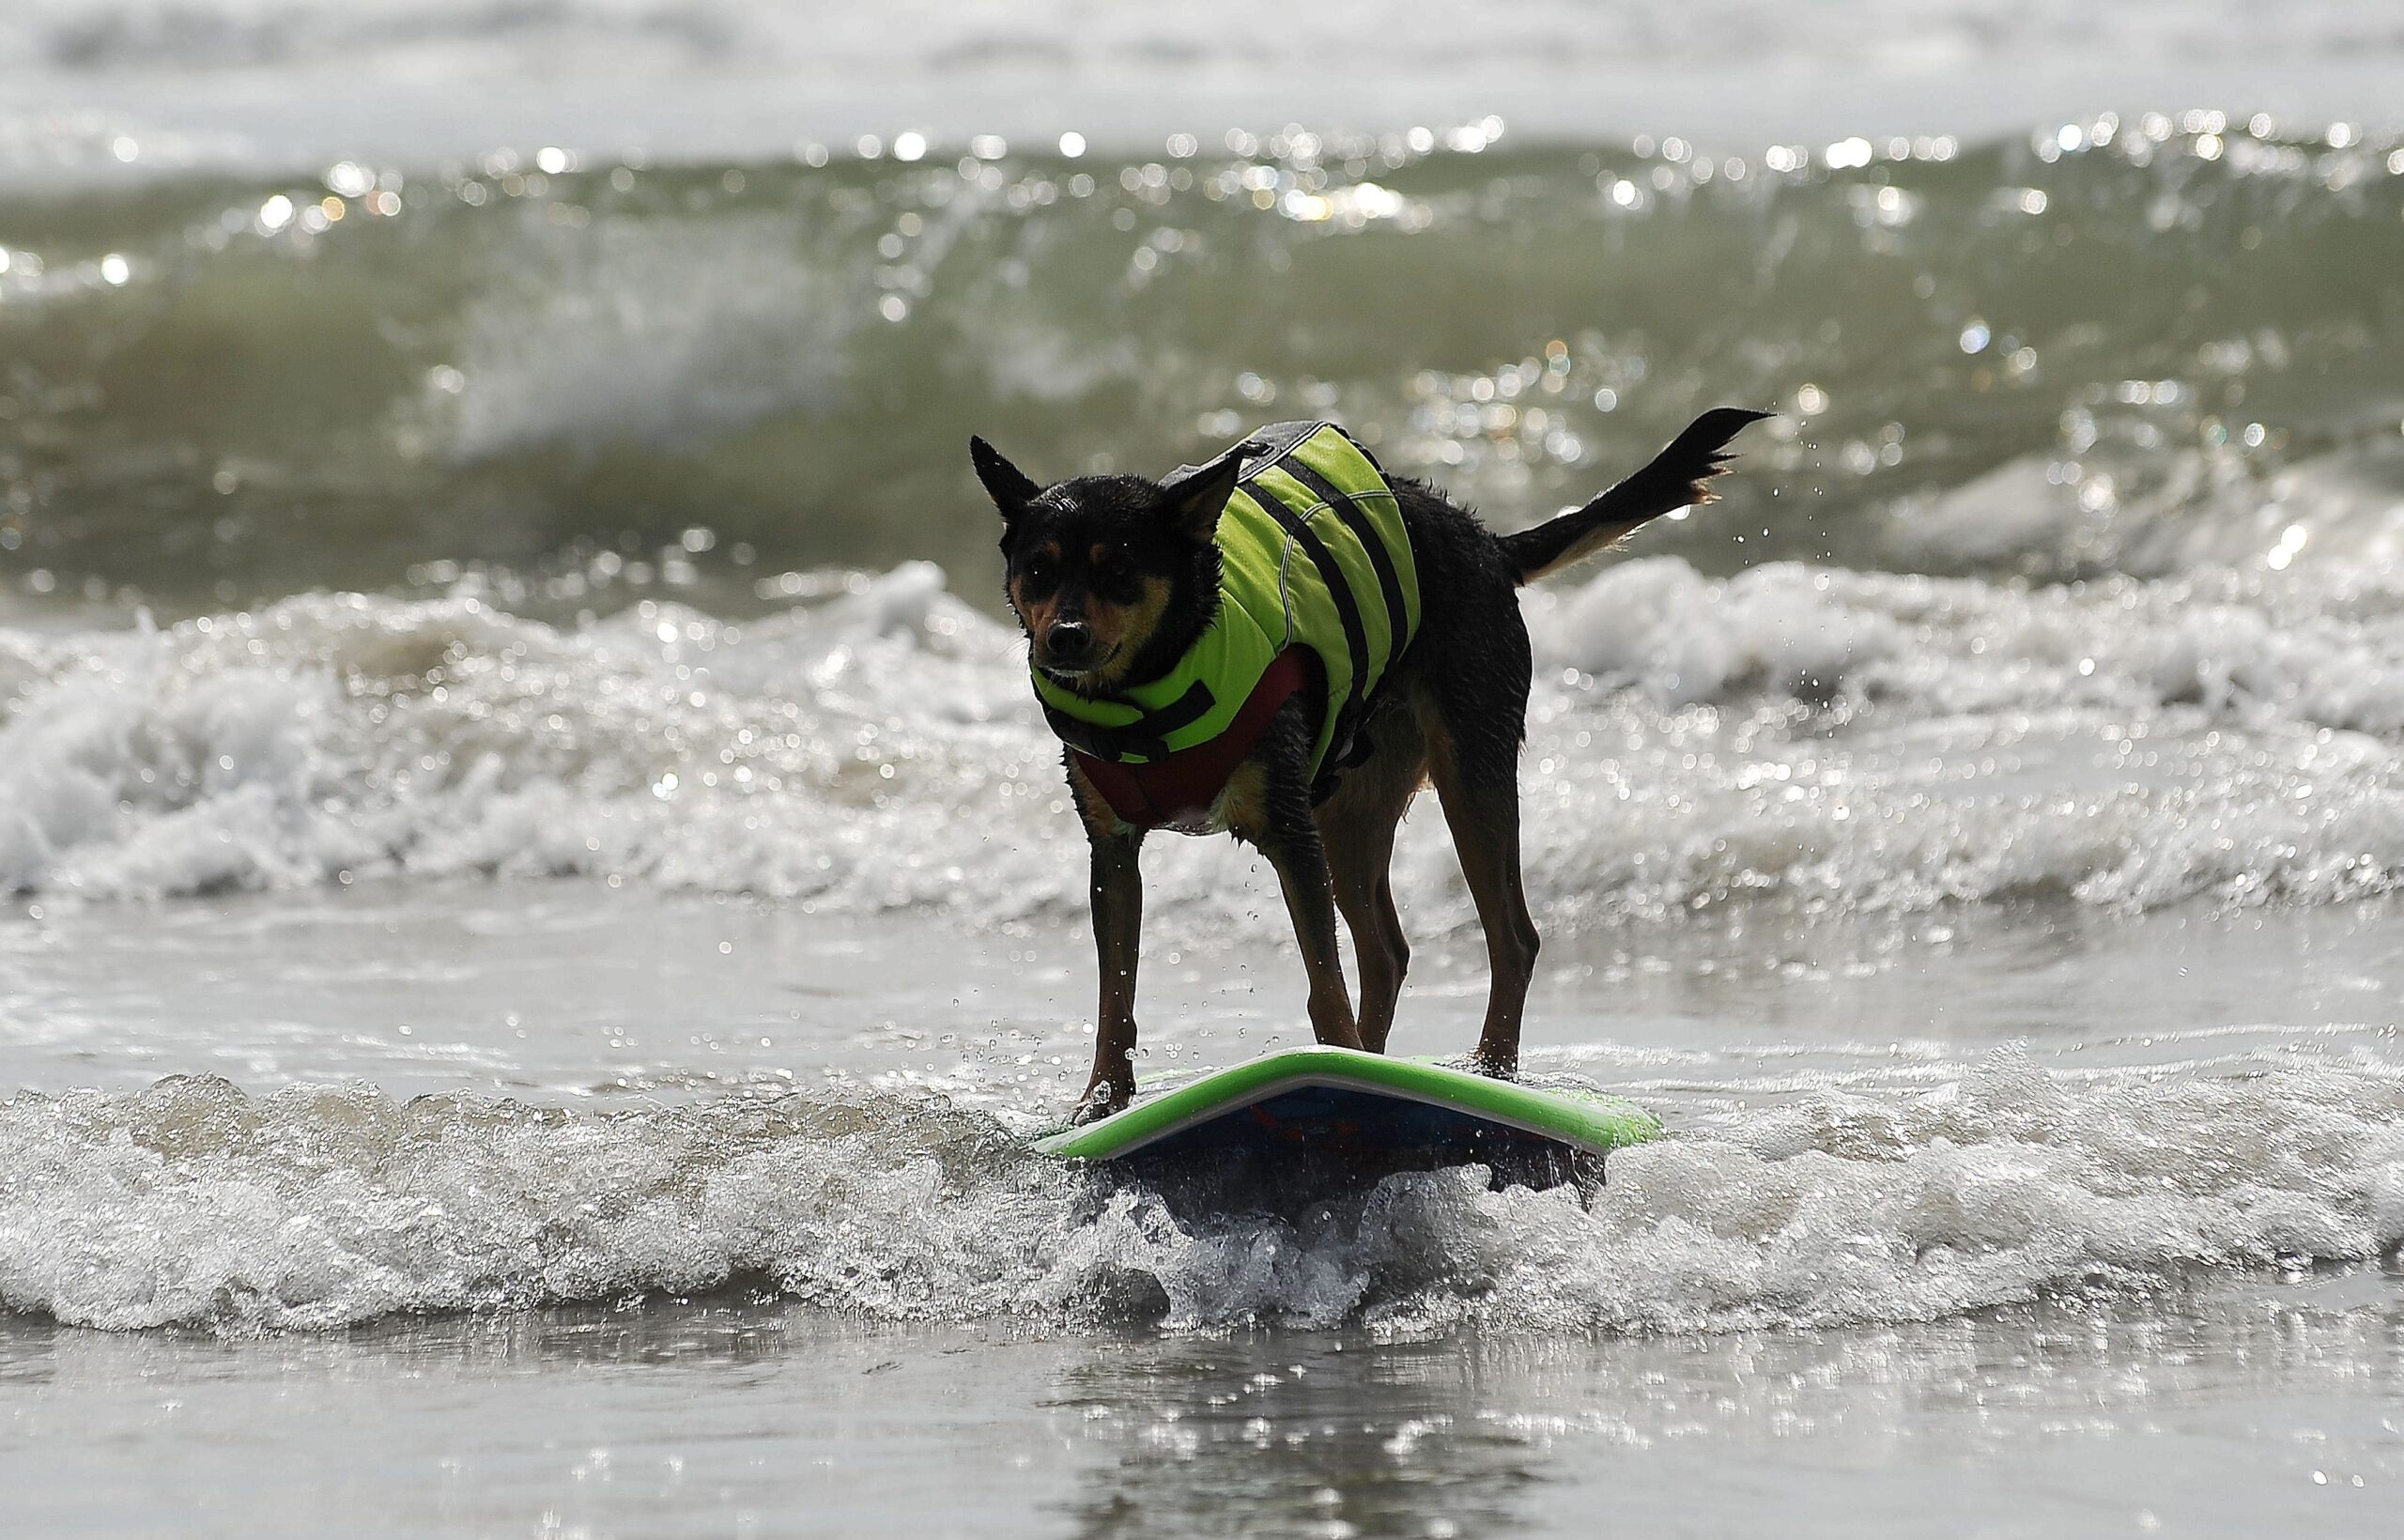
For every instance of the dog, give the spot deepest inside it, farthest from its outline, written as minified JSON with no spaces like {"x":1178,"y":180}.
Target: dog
{"x":1120,"y":582}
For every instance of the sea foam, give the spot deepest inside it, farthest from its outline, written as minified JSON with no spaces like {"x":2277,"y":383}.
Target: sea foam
{"x":1807,"y":733}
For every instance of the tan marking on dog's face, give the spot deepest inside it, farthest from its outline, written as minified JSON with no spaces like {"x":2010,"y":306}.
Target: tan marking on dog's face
{"x":1035,"y":589}
{"x":1122,"y":629}
{"x":1099,"y":585}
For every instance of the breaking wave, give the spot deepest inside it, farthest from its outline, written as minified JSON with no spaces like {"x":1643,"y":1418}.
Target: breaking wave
{"x":1795,"y":733}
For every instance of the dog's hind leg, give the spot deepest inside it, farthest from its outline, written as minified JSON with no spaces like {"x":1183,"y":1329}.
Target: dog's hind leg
{"x":1472,"y":725}
{"x":1357,"y":827}
{"x":1484,"y":816}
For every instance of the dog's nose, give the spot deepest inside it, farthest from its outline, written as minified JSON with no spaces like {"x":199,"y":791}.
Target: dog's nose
{"x":1069,"y":641}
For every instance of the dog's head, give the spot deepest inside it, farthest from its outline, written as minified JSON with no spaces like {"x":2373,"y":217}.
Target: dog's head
{"x":1112,"y":576}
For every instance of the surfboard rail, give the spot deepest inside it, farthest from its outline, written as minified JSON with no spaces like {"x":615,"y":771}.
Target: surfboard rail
{"x":1580,"y":1120}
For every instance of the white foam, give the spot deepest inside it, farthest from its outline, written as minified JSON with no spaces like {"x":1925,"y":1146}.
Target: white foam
{"x":1817,"y":734}
{"x":1881,"y":739}
{"x":196,"y":1203}
{"x":336,"y":734}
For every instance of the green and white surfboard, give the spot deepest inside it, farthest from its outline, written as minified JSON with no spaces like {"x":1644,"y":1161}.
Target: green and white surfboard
{"x":1339,"y":1103}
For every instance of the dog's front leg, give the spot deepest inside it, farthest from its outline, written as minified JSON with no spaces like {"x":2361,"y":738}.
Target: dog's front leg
{"x":1117,"y":930}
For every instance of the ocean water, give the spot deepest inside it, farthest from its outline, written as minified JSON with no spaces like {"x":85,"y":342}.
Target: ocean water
{"x":539,"y":917}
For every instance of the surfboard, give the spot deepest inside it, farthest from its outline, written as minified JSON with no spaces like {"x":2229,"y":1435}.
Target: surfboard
{"x":1339,"y":1104}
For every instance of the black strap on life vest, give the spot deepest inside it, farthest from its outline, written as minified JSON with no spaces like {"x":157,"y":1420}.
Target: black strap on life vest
{"x":1348,"y":508}
{"x":1145,"y":738}
{"x":1348,"y":609}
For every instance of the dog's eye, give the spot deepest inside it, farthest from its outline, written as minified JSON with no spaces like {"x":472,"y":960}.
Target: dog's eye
{"x":1039,"y":568}
{"x":1117,"y":569}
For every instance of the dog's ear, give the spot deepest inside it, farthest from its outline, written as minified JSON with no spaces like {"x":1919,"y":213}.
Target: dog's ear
{"x":1191,"y":504}
{"x":1008,"y":486}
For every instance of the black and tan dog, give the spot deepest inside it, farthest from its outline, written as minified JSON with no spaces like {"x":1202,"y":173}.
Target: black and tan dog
{"x":1117,"y":579}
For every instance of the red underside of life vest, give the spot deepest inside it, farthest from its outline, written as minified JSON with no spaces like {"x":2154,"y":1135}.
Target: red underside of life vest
{"x":1182,"y":788}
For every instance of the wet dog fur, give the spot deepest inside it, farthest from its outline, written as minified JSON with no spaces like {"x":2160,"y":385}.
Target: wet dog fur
{"x":1114,"y":576}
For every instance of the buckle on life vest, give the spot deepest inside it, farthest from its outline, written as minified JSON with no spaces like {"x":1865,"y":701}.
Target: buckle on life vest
{"x":1145,"y":738}
{"x":1180,"y":790}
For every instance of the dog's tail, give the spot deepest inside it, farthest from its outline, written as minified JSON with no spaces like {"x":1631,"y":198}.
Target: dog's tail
{"x":1679,"y":477}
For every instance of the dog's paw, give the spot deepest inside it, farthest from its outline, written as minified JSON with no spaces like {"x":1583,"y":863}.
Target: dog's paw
{"x":1492,"y":1066}
{"x":1102,"y":1099}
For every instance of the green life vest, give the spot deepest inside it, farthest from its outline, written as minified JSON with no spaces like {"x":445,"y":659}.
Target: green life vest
{"x":1312,"y":553}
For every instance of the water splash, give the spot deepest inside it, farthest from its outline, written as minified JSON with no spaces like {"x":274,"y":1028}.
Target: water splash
{"x":194,"y":1203}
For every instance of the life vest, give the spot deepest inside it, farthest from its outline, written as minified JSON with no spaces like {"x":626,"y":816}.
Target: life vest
{"x":1315,"y":581}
